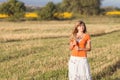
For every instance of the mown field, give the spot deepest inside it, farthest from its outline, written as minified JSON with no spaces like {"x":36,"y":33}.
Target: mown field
{"x":35,"y":50}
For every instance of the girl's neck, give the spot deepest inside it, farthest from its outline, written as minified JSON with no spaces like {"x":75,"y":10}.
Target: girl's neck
{"x":79,"y":32}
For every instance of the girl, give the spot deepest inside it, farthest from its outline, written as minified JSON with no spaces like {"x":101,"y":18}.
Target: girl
{"x":79,"y":44}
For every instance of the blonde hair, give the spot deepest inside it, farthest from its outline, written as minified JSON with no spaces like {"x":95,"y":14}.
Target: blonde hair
{"x":75,"y":30}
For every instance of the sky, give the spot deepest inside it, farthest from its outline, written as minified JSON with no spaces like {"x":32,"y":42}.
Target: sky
{"x":114,"y":3}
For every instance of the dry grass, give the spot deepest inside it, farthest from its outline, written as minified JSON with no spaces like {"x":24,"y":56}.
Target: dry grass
{"x":35,"y":30}
{"x":39,"y":50}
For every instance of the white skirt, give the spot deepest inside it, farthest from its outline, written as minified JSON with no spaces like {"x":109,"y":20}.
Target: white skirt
{"x":79,"y":69}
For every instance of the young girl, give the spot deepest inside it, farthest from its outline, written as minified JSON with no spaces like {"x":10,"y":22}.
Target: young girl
{"x":79,"y":44}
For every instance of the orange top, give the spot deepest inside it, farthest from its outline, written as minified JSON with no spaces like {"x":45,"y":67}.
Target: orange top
{"x":81,"y":44}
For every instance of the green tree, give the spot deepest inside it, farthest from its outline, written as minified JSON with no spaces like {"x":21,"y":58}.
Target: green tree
{"x":47,"y":12}
{"x":66,"y":5}
{"x":87,"y":7}
{"x":14,"y":8}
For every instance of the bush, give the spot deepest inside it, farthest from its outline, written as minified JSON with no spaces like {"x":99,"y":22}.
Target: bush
{"x":3,"y":16}
{"x":14,"y":9}
{"x":113,"y":13}
{"x":47,"y":12}
{"x":64,"y":15}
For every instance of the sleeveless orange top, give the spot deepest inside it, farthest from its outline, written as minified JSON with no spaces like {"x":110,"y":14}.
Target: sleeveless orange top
{"x":82,"y":44}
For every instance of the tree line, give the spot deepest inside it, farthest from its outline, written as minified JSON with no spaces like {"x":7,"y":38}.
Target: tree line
{"x":16,"y":9}
{"x":83,"y":7}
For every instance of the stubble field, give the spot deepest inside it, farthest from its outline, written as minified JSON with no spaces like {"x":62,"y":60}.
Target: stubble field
{"x":35,"y":50}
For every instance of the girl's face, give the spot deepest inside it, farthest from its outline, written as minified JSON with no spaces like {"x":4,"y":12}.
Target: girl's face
{"x":80,"y":28}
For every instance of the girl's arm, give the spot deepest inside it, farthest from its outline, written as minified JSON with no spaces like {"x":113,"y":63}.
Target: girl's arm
{"x":88,"y":48}
{"x":72,"y":44}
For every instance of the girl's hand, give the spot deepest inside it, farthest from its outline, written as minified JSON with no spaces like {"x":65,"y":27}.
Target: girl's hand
{"x":74,"y":42}
{"x":78,"y":48}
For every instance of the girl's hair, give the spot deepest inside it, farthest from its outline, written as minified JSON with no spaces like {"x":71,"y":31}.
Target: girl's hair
{"x":75,"y":30}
